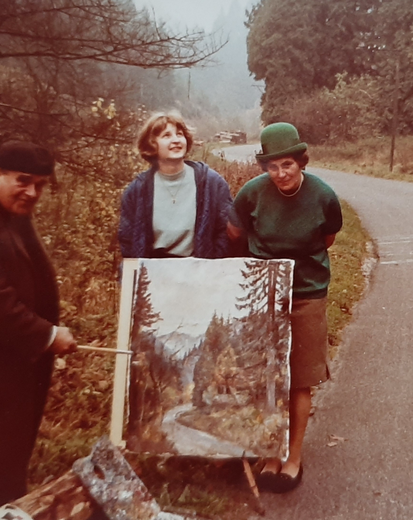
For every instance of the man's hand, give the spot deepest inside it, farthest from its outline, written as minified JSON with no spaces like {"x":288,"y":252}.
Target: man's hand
{"x":64,"y":342}
{"x":329,"y":240}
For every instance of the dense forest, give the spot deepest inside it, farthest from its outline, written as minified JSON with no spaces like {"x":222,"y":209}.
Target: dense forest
{"x":337,"y":69}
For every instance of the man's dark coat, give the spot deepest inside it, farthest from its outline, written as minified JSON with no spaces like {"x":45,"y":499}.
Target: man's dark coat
{"x":28,"y":308}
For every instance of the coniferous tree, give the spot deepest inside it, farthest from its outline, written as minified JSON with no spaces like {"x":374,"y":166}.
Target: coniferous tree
{"x":262,"y":281}
{"x":216,"y":339}
{"x":144,"y":388}
{"x":144,"y":315}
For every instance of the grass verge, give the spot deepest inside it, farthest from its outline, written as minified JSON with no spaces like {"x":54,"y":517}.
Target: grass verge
{"x":347,"y":256}
{"x":370,"y":156}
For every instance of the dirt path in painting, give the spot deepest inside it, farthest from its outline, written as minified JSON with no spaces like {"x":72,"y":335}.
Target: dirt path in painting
{"x":365,"y":472}
{"x":192,"y":442}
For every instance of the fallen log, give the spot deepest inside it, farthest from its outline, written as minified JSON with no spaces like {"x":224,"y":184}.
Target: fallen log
{"x":63,"y":499}
{"x":102,"y":486}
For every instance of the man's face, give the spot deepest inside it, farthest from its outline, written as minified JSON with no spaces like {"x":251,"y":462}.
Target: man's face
{"x":20,"y":191}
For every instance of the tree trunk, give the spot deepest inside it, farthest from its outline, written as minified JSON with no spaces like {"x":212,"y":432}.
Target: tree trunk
{"x":272,"y":345}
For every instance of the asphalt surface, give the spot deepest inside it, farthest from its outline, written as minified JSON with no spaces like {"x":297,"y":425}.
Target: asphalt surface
{"x":367,"y":471}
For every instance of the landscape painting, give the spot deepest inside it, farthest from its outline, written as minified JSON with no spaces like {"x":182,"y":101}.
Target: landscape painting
{"x":209,"y":373}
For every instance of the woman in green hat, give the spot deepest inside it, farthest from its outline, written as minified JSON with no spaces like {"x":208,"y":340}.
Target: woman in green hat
{"x":289,"y":213}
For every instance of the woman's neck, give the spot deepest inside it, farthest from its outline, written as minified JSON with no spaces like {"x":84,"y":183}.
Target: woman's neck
{"x":171,"y":167}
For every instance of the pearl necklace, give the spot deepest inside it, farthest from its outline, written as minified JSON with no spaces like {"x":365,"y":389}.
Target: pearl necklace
{"x":296,"y":191}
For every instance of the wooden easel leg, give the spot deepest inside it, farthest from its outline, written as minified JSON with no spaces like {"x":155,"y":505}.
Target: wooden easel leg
{"x":253,"y":486}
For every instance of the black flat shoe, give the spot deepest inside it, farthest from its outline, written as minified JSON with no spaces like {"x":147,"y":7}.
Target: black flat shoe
{"x":278,"y":482}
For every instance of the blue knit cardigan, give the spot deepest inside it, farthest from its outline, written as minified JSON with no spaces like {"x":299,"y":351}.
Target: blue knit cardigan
{"x":213,"y":202}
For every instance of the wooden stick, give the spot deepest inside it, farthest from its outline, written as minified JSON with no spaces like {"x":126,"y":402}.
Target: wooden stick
{"x":250,"y":477}
{"x":253,"y":486}
{"x":104,"y":349}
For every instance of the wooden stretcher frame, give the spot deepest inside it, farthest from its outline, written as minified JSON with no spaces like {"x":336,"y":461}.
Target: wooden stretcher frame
{"x":122,"y":361}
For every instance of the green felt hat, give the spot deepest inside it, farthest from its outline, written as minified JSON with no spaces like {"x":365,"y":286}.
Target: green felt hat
{"x":278,"y":140}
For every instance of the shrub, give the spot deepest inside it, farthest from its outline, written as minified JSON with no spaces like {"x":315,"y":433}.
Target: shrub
{"x":352,"y":110}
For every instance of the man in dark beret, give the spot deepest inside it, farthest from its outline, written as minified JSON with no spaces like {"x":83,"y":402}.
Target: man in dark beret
{"x":29,"y":312}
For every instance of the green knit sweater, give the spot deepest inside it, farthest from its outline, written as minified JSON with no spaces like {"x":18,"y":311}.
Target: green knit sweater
{"x":291,"y":227}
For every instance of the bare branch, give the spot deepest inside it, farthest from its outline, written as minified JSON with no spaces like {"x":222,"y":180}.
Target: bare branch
{"x":99,"y":30}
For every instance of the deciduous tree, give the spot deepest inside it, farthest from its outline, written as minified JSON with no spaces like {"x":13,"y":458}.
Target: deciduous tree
{"x":298,"y":47}
{"x":58,"y":56}
{"x":109,"y":31}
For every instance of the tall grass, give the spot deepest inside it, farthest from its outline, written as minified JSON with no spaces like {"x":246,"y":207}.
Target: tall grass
{"x":348,"y":256}
{"x":370,"y":156}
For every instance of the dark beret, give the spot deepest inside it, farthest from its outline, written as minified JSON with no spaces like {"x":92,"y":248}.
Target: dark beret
{"x":26,"y":157}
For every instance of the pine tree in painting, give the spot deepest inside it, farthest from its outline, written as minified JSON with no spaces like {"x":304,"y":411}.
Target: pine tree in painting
{"x":216,"y":340}
{"x":260,"y":278}
{"x":144,"y":391}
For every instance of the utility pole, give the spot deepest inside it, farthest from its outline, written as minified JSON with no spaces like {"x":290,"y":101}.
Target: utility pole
{"x":395,"y":113}
{"x":189,"y":83}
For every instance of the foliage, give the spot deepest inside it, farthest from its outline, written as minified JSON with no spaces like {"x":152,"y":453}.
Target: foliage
{"x":298,"y":48}
{"x":368,"y":156}
{"x":151,"y":375}
{"x":144,"y":316}
{"x":154,"y":382}
{"x":354,"y":108}
{"x":348,"y":256}
{"x":393,"y":44}
{"x":78,"y":411}
{"x":78,"y":219}
{"x":303,"y":51}
{"x":109,"y":31}
{"x":57,"y":57}
{"x":217,"y":338}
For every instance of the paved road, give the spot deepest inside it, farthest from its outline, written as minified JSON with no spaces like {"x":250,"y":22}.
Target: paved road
{"x":369,"y":402}
{"x":240,"y":153}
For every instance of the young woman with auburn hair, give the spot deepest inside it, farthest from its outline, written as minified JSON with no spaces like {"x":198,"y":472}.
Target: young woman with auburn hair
{"x":176,"y":208}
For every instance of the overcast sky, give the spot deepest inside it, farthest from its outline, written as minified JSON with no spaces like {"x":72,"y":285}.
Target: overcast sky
{"x":188,"y":296}
{"x":191,"y":13}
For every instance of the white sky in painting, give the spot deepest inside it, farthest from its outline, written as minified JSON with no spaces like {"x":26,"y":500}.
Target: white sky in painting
{"x":187,"y":296}
{"x":191,"y":13}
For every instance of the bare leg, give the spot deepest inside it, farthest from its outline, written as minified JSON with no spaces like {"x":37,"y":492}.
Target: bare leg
{"x":272,"y":465}
{"x":300,"y":406}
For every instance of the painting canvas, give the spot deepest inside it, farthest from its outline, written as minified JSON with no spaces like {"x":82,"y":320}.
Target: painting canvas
{"x":209,"y":373}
